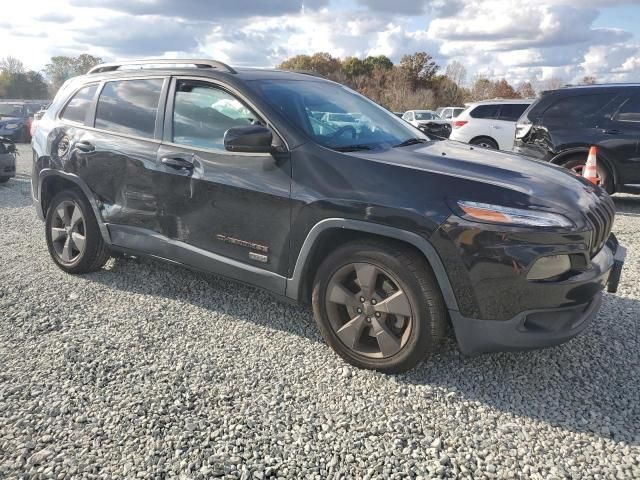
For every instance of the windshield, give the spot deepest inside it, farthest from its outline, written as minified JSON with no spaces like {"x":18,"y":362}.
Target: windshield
{"x":10,"y":110}
{"x":336,"y":116}
{"x":426,"y":116}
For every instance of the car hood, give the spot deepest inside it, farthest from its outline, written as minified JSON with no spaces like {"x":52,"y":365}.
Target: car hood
{"x":545,"y":185}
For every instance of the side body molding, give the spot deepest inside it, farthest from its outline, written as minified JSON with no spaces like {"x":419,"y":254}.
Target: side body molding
{"x":294,"y":284}
{"x":50,"y":172}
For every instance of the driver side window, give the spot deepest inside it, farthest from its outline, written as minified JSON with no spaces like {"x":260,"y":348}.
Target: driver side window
{"x":203,"y":113}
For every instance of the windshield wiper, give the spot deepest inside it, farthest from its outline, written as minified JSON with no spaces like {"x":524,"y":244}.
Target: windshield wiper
{"x":411,"y":141}
{"x":352,"y":148}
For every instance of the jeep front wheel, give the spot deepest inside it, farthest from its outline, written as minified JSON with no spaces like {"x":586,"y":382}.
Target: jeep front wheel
{"x":378,"y":305}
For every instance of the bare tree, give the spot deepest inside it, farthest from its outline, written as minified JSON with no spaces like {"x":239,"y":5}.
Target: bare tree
{"x":552,"y":83}
{"x":588,"y":80}
{"x":11,"y":65}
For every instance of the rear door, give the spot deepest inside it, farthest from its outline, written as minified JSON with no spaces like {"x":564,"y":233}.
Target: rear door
{"x":623,"y":140}
{"x":117,"y":156}
{"x":232,"y":205}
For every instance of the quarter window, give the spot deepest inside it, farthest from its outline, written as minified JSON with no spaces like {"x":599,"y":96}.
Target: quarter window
{"x":202,"y":114}
{"x":78,"y":107}
{"x":630,"y":111}
{"x":129,"y":106}
{"x":485,"y":111}
{"x":511,"y":112}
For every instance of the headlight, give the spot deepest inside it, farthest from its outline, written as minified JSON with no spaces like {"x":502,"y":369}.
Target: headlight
{"x":484,"y":212}
{"x":11,"y":126}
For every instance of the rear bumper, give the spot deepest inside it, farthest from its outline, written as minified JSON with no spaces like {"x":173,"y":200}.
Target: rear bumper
{"x":7,"y":165}
{"x":541,"y":327}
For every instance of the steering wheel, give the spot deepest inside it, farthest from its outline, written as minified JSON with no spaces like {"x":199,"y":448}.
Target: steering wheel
{"x":344,"y":129}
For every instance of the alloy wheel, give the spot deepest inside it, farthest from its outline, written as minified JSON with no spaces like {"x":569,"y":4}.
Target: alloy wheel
{"x":368,"y":310}
{"x":68,"y":231}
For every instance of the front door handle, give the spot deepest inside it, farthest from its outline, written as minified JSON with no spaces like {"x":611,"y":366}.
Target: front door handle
{"x":85,"y":146}
{"x":179,"y":163}
{"x":613,"y":131}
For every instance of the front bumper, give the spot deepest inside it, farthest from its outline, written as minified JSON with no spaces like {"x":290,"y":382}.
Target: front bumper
{"x":7,"y":165}
{"x":542,"y":327}
{"x":13,"y":134}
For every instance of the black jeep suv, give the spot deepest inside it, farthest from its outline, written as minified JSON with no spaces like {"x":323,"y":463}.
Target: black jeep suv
{"x":562,"y":125}
{"x":388,"y":234}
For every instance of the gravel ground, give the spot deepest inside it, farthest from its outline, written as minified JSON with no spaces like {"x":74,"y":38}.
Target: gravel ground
{"x":145,"y":370}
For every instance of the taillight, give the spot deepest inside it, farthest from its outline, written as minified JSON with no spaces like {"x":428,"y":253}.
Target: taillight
{"x":522,"y":129}
{"x":459,"y":123}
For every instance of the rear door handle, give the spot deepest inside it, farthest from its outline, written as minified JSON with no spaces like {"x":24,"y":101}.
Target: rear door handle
{"x":612,"y":131}
{"x":179,"y":163}
{"x":85,"y":146}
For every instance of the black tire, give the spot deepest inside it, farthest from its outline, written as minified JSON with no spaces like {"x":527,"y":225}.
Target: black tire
{"x":95,"y":252}
{"x":413,"y":276}
{"x":577,"y":164}
{"x":485,"y":142}
{"x":4,"y":179}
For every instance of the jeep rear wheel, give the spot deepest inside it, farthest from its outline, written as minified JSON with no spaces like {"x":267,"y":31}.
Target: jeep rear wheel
{"x":378,"y":306}
{"x":576,"y":164}
{"x":73,"y":236}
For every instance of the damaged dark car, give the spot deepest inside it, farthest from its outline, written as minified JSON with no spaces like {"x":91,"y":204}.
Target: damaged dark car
{"x":305,"y":188}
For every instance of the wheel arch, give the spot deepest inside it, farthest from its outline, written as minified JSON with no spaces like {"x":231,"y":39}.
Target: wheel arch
{"x":51,"y":182}
{"x":564,"y":155}
{"x":330,"y":233}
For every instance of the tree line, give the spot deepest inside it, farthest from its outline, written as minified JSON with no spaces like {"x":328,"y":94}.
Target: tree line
{"x":19,"y":83}
{"x":416,"y":82}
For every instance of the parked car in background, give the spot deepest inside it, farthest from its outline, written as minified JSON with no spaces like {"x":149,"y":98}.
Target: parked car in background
{"x":36,"y":118}
{"x":449,"y":113}
{"x":398,"y":114}
{"x":429,"y":122}
{"x":490,"y":123}
{"x":7,"y":159}
{"x":15,"y":119}
{"x":389,"y":235}
{"x":562,"y":125}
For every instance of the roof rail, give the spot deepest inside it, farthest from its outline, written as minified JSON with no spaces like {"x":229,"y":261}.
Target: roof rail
{"x":198,"y":63}
{"x":309,"y":72}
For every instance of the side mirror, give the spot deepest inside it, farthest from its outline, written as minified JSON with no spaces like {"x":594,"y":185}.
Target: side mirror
{"x":250,"y":138}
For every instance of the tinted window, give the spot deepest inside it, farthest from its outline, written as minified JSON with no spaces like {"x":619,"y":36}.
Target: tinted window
{"x":11,"y":110}
{"x":129,"y":106}
{"x":577,"y":107}
{"x":202,"y":115}
{"x":485,"y":111}
{"x":630,"y":111}
{"x":512,"y":111}
{"x":77,"y":108}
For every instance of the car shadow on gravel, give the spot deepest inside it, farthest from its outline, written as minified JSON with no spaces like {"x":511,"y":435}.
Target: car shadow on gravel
{"x":590,"y":384}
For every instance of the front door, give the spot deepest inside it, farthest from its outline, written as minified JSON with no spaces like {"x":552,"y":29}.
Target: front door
{"x":622,"y":137}
{"x":235,"y":206}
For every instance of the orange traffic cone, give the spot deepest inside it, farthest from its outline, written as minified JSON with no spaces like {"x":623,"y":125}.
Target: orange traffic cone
{"x":590,"y":171}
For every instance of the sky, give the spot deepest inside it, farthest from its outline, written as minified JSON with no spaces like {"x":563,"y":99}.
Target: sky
{"x":514,"y":39}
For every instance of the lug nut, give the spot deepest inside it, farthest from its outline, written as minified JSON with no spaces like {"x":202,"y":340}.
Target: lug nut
{"x":373,"y":301}
{"x":368,"y":319}
{"x":378,"y":314}
{"x":361,"y":299}
{"x":359,"y":310}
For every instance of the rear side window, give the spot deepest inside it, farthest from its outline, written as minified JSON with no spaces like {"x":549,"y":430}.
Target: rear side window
{"x":577,"y":107}
{"x":78,"y":107}
{"x":485,"y":111}
{"x":630,"y":110}
{"x":129,"y":106}
{"x":512,"y":111}
{"x":202,"y":114}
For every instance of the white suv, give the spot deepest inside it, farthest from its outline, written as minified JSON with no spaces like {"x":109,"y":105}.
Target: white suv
{"x":490,"y":123}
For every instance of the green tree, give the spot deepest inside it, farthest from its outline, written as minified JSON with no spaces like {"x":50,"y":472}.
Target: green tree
{"x":381,"y":62}
{"x":420,"y":67}
{"x":63,"y":68}
{"x":354,"y":67}
{"x":25,"y":85}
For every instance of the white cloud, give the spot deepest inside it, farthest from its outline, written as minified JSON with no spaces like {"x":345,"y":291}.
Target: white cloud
{"x":516,"y":39}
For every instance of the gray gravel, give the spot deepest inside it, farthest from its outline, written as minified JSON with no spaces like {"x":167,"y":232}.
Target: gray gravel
{"x":145,"y":370}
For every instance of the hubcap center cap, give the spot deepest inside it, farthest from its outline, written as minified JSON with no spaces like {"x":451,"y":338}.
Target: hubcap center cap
{"x":368,"y":308}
